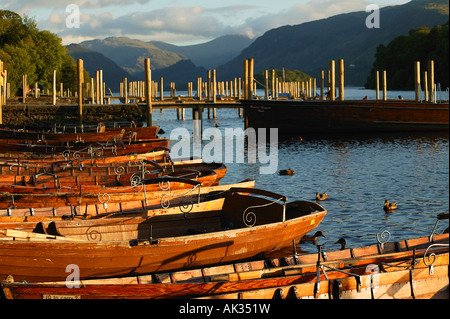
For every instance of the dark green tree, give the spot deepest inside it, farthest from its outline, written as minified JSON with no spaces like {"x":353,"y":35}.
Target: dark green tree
{"x":25,"y":49}
{"x":398,"y":57}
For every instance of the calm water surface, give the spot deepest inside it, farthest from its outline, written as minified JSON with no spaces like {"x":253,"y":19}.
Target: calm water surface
{"x":358,"y":172}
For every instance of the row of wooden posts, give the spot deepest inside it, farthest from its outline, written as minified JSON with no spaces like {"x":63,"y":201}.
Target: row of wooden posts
{"x":238,"y":88}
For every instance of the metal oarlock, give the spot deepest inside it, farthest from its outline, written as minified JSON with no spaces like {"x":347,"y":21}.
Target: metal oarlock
{"x":426,"y":259}
{"x":383,"y":237}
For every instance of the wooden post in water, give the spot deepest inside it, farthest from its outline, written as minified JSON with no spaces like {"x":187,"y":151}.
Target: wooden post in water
{"x":161,"y":89}
{"x":54,"y":88}
{"x":125,"y":90}
{"x":148,"y":92}
{"x":332,"y":81}
{"x":24,"y":88}
{"x":431,"y":80}
{"x":384,"y":86}
{"x":314,"y":88}
{"x":378,"y":86}
{"x":245,"y":79}
{"x":425,"y":85}
{"x":102,"y":92}
{"x":307,"y":95}
{"x":272,"y":87}
{"x":213,"y":86}
{"x":80,"y":86}
{"x":4,"y":80}
{"x":2,"y":84}
{"x":251,"y":63}
{"x":417,"y":79}
{"x":266,"y":83}
{"x":214,"y":91}
{"x":97,"y":87}
{"x":199,"y":88}
{"x":322,"y":84}
{"x":93,"y":90}
{"x":341,"y":79}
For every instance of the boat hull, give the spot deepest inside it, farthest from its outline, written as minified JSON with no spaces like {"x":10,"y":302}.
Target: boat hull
{"x":297,"y":117}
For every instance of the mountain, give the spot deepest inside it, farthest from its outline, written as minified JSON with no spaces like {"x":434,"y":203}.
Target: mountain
{"x":310,"y":46}
{"x":211,"y":54}
{"x":181,"y":73}
{"x":129,"y":54}
{"x":93,"y":61}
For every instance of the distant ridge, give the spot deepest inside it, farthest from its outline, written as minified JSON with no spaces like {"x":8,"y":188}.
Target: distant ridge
{"x":129,"y":54}
{"x":181,"y":73}
{"x":310,"y":46}
{"x":211,"y":54}
{"x":180,"y":64}
{"x":93,"y":61}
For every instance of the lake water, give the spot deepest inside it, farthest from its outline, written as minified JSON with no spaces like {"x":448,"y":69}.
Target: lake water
{"x":358,"y":172}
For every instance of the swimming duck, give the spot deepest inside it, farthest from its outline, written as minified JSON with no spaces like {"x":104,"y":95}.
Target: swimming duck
{"x":389,"y":207}
{"x":320,"y":196}
{"x":287,"y":172}
{"x":342,"y":242}
{"x":313,"y":238}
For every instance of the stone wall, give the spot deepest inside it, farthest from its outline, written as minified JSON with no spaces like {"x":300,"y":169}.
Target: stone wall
{"x":47,"y":114}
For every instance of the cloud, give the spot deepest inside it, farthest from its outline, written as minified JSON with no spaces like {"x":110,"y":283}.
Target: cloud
{"x":176,"y":22}
{"x":153,"y":20}
{"x":302,"y":12}
{"x":24,"y":6}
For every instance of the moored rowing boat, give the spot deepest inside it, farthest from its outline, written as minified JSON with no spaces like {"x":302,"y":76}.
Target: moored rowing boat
{"x":245,"y":227}
{"x":152,"y":200}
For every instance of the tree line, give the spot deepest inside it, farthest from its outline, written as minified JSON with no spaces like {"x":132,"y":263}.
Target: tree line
{"x":24,"y":49}
{"x":398,"y":57}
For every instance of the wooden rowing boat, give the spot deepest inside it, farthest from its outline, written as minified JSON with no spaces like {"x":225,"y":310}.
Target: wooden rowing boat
{"x":400,"y":270}
{"x":248,"y":225}
{"x":157,"y":154}
{"x":101,"y":134}
{"x":183,"y":205}
{"x":41,"y":179}
{"x":153,"y":200}
{"x":93,"y":192}
{"x":67,"y":138}
{"x":317,"y":116}
{"x":78,"y":150}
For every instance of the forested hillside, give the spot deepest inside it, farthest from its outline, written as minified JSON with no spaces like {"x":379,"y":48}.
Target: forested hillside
{"x":310,"y":46}
{"x":398,"y":57}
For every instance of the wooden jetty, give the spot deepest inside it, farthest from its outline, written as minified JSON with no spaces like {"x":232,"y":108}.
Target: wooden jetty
{"x":316,"y":116}
{"x":325,"y":114}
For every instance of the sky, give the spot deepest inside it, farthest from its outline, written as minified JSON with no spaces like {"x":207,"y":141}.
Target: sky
{"x":180,"y":22}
